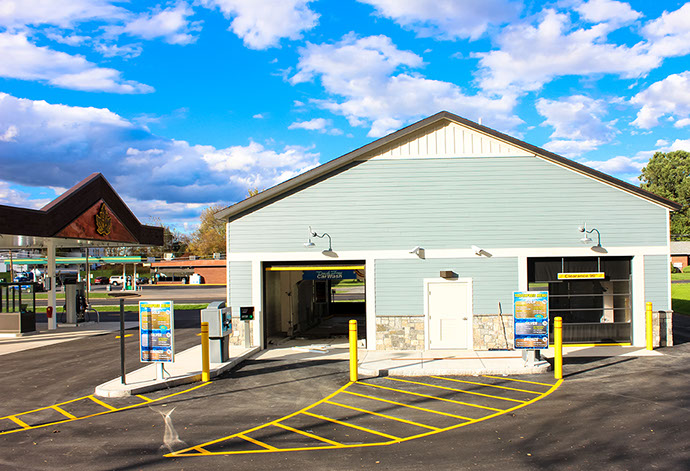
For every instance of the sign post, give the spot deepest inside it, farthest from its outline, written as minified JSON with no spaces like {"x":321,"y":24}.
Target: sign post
{"x":156,"y":333}
{"x":531,"y":322}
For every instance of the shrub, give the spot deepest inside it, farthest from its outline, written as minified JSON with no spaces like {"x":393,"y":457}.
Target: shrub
{"x":686,"y":269}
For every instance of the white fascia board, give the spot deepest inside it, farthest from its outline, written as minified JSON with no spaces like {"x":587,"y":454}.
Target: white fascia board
{"x":576,"y":251}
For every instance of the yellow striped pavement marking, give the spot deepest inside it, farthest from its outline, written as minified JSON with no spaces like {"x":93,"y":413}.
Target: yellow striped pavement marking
{"x":434,"y":397}
{"x":101,"y":403}
{"x":408,"y":405}
{"x":307,"y":434}
{"x":457,"y":390}
{"x":18,"y":421}
{"x":200,"y":450}
{"x":64,"y":412}
{"x":517,"y":380}
{"x":256,"y":442}
{"x":486,"y":384}
{"x":340,"y":422}
{"x":71,"y":417}
{"x":143,"y":398}
{"x":385,"y":416}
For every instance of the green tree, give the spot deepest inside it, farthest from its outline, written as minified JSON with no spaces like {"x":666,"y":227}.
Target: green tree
{"x":209,"y":238}
{"x":668,"y":175}
{"x":174,"y":241}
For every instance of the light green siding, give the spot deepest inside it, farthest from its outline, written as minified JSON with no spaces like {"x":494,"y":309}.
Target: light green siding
{"x":400,"y":283}
{"x":656,"y":273}
{"x":240,"y":274}
{"x":442,"y":203}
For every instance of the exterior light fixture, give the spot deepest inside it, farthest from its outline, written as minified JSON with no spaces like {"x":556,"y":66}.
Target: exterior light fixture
{"x":418,"y":251}
{"x":585,"y":238}
{"x":312,"y":233}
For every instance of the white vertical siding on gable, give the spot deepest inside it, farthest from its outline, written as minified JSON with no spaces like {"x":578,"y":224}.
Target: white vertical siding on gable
{"x":447,"y":140}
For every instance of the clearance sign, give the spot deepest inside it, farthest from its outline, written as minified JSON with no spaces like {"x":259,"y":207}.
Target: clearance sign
{"x":582,"y":276}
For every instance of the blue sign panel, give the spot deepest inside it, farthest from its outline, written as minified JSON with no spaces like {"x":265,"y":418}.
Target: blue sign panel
{"x":156,"y":320}
{"x":531,"y":319}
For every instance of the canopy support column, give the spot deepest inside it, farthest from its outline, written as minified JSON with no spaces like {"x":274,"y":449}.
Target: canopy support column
{"x":50,"y":279}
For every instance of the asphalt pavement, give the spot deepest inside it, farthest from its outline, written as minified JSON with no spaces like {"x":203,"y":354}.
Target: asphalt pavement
{"x":609,"y":413}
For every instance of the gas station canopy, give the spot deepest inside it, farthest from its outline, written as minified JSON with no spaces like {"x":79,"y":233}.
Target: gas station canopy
{"x":90,"y":214}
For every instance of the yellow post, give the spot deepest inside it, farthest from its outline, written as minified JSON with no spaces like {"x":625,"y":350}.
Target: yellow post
{"x":205,"y":363}
{"x":650,"y":328}
{"x":558,"y":348}
{"x":353,"y":350}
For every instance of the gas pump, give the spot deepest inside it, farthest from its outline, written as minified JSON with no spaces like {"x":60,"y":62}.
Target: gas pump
{"x":75,"y":302}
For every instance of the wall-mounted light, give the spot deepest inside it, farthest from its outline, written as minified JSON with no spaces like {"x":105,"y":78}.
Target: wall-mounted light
{"x":585,"y":238}
{"x":418,"y":251}
{"x":480,"y":251}
{"x":309,"y":243}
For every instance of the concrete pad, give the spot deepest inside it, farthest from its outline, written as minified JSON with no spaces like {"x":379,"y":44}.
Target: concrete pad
{"x":64,"y":333}
{"x":604,"y":351}
{"x":185,"y":369}
{"x":446,"y":362}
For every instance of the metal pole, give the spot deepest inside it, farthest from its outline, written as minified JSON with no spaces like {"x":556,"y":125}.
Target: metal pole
{"x":52,"y":281}
{"x":205,"y":362}
{"x":122,"y":339}
{"x":650,"y":328}
{"x":88,"y":276}
{"x":558,"y":348}
{"x":353,"y":350}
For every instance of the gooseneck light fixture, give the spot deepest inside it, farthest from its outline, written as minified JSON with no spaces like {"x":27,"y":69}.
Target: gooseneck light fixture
{"x":312,"y":233}
{"x":585,"y":238}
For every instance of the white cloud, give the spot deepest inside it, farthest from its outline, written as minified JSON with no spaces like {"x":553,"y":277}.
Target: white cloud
{"x":9,"y":134}
{"x":577,"y":122}
{"x":170,"y":24}
{"x":448,"y":19}
{"x":669,"y":35}
{"x":373,"y":84}
{"x":127,"y":51}
{"x":25,"y":61}
{"x":598,"y":11}
{"x":670,"y":96}
{"x":529,"y":56}
{"x":59,"y":143}
{"x":680,"y":144}
{"x":65,"y":14}
{"x":263,"y":23}
{"x":12,"y":197}
{"x":316,"y":124}
{"x":258,"y":116}
{"x":618,"y":165}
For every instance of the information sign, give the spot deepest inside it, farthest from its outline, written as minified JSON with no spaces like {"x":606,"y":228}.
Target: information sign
{"x":582,"y":276}
{"x":247,"y":313}
{"x":531,"y":319}
{"x":156,"y":320}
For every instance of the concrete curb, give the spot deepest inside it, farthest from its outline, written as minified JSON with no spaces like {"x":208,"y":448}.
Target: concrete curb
{"x":108,"y":390}
{"x":538,"y":368}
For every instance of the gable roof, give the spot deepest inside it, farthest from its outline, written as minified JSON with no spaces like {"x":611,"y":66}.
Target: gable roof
{"x":70,"y":216}
{"x":294,"y":184}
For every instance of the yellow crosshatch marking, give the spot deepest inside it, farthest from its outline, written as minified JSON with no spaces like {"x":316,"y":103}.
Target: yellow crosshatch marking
{"x":458,"y":390}
{"x":70,"y":417}
{"x":329,"y":409}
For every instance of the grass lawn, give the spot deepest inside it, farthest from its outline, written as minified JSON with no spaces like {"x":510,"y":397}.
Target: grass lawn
{"x":62,"y":295}
{"x":680,"y":276}
{"x":135,"y":308}
{"x":680,"y":298}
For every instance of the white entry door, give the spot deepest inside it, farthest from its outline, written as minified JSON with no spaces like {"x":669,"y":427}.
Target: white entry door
{"x":449,"y":309}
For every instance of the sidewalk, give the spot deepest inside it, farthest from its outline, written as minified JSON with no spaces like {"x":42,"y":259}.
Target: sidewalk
{"x":185,"y":369}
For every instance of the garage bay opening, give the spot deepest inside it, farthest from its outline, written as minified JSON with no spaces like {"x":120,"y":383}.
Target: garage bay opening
{"x":312,"y":301}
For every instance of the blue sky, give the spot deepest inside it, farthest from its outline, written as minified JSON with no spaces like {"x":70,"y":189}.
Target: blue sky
{"x":190,"y":103}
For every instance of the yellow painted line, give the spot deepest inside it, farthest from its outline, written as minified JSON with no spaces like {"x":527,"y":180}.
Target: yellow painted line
{"x":213,"y":442}
{"x":126,"y":335}
{"x":456,"y":390}
{"x":434,"y":397}
{"x":487,"y":385}
{"x":517,"y":380}
{"x":307,"y":434}
{"x":101,"y":403}
{"x":64,"y":412}
{"x":385,"y":416}
{"x":408,"y":405}
{"x":144,"y":398}
{"x":17,"y":421}
{"x":316,"y":268}
{"x":490,"y":416}
{"x":256,"y":442}
{"x":90,"y":415}
{"x":363,"y":429}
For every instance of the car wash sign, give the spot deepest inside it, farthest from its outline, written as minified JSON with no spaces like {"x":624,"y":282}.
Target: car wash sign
{"x":323,"y":275}
{"x":156,"y":320}
{"x":531,"y":319}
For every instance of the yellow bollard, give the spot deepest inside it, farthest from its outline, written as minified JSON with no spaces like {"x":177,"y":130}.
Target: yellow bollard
{"x":353,"y":350}
{"x":205,"y":362}
{"x":558,"y":348}
{"x":650,"y":328}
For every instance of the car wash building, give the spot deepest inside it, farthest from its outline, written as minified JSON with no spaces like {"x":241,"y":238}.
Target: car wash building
{"x":441,"y":222}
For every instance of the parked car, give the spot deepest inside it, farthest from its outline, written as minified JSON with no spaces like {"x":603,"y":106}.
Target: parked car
{"x":101,"y":280}
{"x":116,"y":280}
{"x":142,"y":280}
